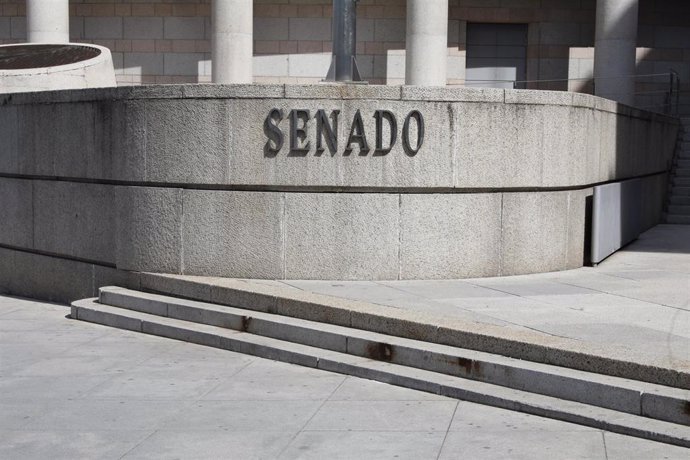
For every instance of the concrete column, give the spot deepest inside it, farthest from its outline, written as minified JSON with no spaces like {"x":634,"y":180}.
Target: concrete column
{"x":426,"y":53}
{"x":614,"y":50}
{"x":47,"y":21}
{"x":232,"y":43}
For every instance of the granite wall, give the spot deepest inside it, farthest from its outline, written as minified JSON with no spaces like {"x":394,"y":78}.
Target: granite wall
{"x":193,"y":179}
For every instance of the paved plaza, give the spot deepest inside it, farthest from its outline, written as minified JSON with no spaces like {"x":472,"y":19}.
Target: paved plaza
{"x":70,"y":389}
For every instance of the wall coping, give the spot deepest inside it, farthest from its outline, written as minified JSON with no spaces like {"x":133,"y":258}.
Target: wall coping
{"x":334,"y":92}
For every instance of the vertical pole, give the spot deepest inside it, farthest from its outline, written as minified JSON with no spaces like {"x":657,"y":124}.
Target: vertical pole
{"x":426,"y":42}
{"x":232,"y":41}
{"x":344,"y":59}
{"x":614,"y":49}
{"x":47,"y":21}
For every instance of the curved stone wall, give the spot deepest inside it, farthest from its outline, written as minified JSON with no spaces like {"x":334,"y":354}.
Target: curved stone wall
{"x":193,"y":179}
{"x":42,"y":67}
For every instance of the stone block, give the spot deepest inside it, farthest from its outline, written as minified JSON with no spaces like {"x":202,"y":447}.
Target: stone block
{"x":17,"y":221}
{"x":430,"y":93}
{"x":187,"y":311}
{"x":271,"y":28}
{"x":365,"y":30}
{"x":189,"y":64}
{"x":176,"y":286}
{"x":265,"y":348}
{"x":241,"y":298}
{"x":185,"y":334}
{"x":183,"y":28}
{"x":6,"y":270}
{"x":534,"y":232}
{"x":140,"y":302}
{"x":76,"y":29}
{"x":389,"y":66}
{"x":49,"y":278}
{"x":653,"y":196}
{"x":578,"y":228}
{"x":498,"y":145}
{"x":18,"y":25}
{"x":401,"y":325}
{"x":233,"y":234}
{"x":5,"y":29}
{"x":566,"y":145}
{"x":341,"y":236}
{"x":103,"y":28}
{"x":274,"y":65}
{"x":180,"y":149}
{"x":521,"y":96}
{"x":456,"y":67}
{"x":297,"y":333}
{"x":44,"y":149}
{"x":85,"y":153}
{"x":108,"y":276}
{"x":309,"y":65}
{"x":144,"y":63}
{"x":143,"y":27}
{"x":559,"y":33}
{"x":310,"y":29}
{"x":313,"y":307}
{"x":338,"y":91}
{"x":9,"y":132}
{"x":128,"y":150}
{"x":671,"y":407}
{"x":148,"y":232}
{"x":671,"y":37}
{"x":233,"y":91}
{"x":608,"y":147}
{"x":450,"y":235}
{"x":390,"y":30}
{"x":74,"y":219}
{"x":109,"y":319}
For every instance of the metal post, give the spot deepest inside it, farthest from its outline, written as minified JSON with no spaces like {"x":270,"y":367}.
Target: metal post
{"x":344,"y":60}
{"x":669,"y":109}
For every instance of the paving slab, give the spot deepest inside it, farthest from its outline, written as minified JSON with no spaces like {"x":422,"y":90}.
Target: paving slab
{"x":212,"y":444}
{"x":522,"y":444}
{"x":347,"y":445}
{"x":62,"y":444}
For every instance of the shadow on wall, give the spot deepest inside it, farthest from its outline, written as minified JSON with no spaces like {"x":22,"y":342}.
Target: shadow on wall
{"x":642,"y":207}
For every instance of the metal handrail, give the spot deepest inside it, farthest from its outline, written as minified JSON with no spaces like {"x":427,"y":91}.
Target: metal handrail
{"x":515,"y":82}
{"x":672,"y":91}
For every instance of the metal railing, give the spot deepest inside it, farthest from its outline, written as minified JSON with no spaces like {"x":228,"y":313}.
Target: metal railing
{"x":660,"y":92}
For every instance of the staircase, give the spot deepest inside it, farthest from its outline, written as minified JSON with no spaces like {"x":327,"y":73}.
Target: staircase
{"x":626,"y":406}
{"x":678,"y":205}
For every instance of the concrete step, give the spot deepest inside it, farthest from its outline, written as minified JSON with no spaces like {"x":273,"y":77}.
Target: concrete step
{"x":384,"y":370}
{"x":591,"y":388}
{"x":678,"y":190}
{"x":533,"y":346}
{"x":681,"y":181}
{"x":679,"y":200}
{"x":679,"y":210}
{"x":676,"y":219}
{"x":681,"y":172}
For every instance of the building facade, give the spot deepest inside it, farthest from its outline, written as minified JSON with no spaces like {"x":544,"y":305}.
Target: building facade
{"x":541,"y":44}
